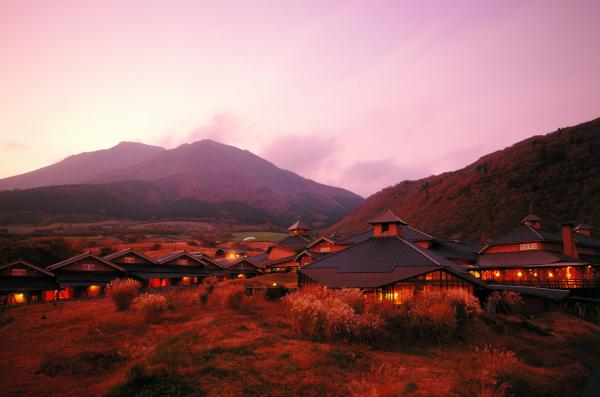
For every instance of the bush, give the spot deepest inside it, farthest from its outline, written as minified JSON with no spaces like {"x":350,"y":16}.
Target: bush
{"x":232,"y":296}
{"x":465,"y":304}
{"x":122,"y":292}
{"x":210,"y":282}
{"x":153,"y":306}
{"x":505,"y":302}
{"x":203,"y":294}
{"x":324,"y":314}
{"x":492,"y":365}
{"x":430,"y":315}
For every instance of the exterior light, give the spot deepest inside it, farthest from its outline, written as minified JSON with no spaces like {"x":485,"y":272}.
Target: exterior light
{"x":497,"y":274}
{"x":519,"y":274}
{"x":274,"y":284}
{"x":550,"y":274}
{"x":535,"y":274}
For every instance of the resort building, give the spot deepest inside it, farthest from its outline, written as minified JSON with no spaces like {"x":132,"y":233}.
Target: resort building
{"x":533,"y":257}
{"x":22,"y":282}
{"x":388,"y":266}
{"x":240,"y":267}
{"x":281,"y":255}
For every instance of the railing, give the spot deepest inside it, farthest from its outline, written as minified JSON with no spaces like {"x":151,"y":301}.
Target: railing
{"x":555,"y":284}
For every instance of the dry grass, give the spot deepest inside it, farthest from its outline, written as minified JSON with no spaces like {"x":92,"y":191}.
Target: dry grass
{"x":212,"y":350}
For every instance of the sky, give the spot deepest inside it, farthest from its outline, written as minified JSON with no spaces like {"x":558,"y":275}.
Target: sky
{"x":357,"y":94}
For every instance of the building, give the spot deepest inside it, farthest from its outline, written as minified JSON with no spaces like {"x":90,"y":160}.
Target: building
{"x":22,"y":282}
{"x":388,"y":266}
{"x":534,"y":257}
{"x":183,"y":269}
{"x":240,"y":267}
{"x":85,"y":275}
{"x":281,"y":256}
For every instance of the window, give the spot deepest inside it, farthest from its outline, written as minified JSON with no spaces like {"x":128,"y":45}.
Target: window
{"x":385,"y":227}
{"x":89,"y":266}
{"x":18,"y":272}
{"x":182,"y":261}
{"x":325,"y":248}
{"x":129,"y":259}
{"x":528,"y":246}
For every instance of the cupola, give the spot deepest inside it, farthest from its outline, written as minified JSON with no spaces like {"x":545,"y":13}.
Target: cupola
{"x":387,"y":224}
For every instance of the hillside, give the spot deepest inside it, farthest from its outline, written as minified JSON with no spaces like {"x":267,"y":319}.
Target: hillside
{"x":82,"y":167}
{"x":559,"y":173}
{"x":206,"y":180}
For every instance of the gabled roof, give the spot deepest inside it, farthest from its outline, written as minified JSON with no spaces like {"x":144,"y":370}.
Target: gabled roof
{"x":359,"y":238}
{"x":293,"y":243}
{"x":456,"y":249}
{"x":408,"y":232}
{"x":298,"y":225}
{"x":126,"y":251}
{"x":232,"y":263}
{"x":526,"y":234}
{"x":83,"y":256}
{"x":311,"y":253}
{"x":178,"y":254}
{"x":330,"y":240}
{"x":29,"y":265}
{"x":379,"y":261}
{"x":524,"y":258}
{"x":387,"y":217}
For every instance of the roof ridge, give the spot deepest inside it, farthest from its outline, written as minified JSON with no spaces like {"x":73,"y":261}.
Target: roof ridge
{"x":535,"y":231}
{"x":410,"y":244}
{"x":337,"y":252}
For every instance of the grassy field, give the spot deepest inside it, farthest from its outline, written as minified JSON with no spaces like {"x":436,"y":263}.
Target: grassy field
{"x":87,"y":348}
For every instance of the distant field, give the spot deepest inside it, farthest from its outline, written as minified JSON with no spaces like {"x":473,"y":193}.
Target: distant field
{"x":260,"y":236}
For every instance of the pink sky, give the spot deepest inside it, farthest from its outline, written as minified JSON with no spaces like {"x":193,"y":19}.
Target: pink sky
{"x":359,"y":94}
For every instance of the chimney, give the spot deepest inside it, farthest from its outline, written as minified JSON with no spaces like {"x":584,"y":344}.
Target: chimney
{"x":388,"y":225}
{"x":584,"y":230}
{"x":533,"y":221}
{"x":569,"y":247}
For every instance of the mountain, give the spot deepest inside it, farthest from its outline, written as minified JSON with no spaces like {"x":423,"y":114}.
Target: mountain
{"x":558,"y":173}
{"x":205,"y":179}
{"x":82,"y":167}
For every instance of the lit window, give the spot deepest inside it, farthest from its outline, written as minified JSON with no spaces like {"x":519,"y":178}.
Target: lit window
{"x":519,"y":274}
{"x":497,"y":274}
{"x":89,"y":266}
{"x":528,"y":246}
{"x":325,"y":249}
{"x":18,"y":272}
{"x":129,"y":259}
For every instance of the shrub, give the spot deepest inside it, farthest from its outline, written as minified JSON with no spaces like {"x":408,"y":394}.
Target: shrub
{"x":122,"y":292}
{"x":505,"y":302}
{"x":319,"y":313}
{"x":153,"y":306}
{"x":203,"y":294}
{"x":210,"y":282}
{"x":492,"y":365}
{"x":465,"y":304}
{"x":232,"y":296}
{"x":430,"y":315}
{"x":140,"y":382}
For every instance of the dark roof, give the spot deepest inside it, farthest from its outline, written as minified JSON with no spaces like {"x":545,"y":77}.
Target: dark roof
{"x":393,"y":258}
{"x":456,"y":249}
{"x":295,"y":243}
{"x":581,"y":239}
{"x":274,"y":262}
{"x":312,"y":253}
{"x":258,"y":259}
{"x":299,"y":225}
{"x":527,"y":234}
{"x":387,"y":217}
{"x":201,"y":260}
{"x":80,"y":257}
{"x":331,"y":240}
{"x":531,"y":218}
{"x":124,"y":252}
{"x":408,"y":232}
{"x":523,"y":258}
{"x":27,"y":264}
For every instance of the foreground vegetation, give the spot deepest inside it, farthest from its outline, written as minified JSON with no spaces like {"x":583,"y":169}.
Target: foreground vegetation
{"x":215,"y":340}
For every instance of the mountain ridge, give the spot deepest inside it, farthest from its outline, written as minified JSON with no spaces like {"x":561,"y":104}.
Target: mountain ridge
{"x":558,"y":174}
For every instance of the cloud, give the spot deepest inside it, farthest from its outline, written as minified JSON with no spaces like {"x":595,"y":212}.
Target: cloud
{"x":304,"y":154}
{"x":13,"y":146}
{"x":368,"y":177}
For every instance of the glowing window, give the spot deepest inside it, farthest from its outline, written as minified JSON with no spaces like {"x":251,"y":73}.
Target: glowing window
{"x":528,"y":246}
{"x":18,"y":272}
{"x":89,"y":266}
{"x":129,"y":259}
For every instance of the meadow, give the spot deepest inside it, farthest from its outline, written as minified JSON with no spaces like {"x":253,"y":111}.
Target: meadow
{"x":215,"y":341}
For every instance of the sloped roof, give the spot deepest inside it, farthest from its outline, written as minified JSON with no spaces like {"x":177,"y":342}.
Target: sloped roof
{"x":379,"y":261}
{"x":456,"y":249}
{"x":525,"y":234}
{"x":523,"y":258}
{"x":331,"y":240}
{"x":387,"y":217}
{"x":299,"y":225}
{"x":531,"y":218}
{"x":294,"y":243}
{"x":126,"y":251}
{"x":408,"y":232}
{"x":29,"y":265}
{"x":83,"y":256}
